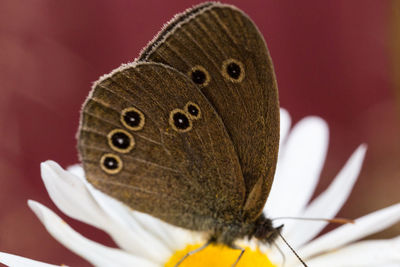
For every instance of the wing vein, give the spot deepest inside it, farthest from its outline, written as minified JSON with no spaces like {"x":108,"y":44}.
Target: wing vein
{"x":227,"y":33}
{"x":137,"y":159}
{"x":119,"y":126}
{"x":122,"y":98}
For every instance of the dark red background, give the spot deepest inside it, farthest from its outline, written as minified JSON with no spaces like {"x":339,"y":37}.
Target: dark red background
{"x":335,"y":59}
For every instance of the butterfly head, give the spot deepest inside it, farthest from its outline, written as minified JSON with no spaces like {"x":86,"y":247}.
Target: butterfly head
{"x":265,"y":231}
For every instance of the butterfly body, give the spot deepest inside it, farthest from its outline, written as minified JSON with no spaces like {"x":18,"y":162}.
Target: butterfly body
{"x":189,"y":132}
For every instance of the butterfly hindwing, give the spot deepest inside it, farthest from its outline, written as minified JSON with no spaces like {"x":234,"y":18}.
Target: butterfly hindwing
{"x":149,"y":138}
{"x":222,"y":51}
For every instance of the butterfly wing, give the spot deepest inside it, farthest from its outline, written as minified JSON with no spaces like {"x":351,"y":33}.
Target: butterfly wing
{"x":223,"y":52}
{"x":149,"y":138}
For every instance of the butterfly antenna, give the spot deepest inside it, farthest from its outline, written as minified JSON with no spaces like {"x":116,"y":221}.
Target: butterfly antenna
{"x":334,"y":220}
{"x":297,"y":255}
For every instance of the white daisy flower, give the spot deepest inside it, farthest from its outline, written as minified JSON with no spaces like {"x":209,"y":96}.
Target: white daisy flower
{"x":146,"y":241}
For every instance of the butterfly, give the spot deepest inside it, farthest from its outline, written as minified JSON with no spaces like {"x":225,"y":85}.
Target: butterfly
{"x":189,"y":132}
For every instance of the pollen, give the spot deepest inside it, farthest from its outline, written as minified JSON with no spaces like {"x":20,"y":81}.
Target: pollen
{"x":219,"y":255}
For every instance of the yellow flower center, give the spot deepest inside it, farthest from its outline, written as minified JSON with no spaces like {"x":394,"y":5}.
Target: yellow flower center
{"x":219,"y":255}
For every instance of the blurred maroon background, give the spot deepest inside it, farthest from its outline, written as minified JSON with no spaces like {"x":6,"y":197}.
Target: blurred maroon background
{"x":336,"y":59}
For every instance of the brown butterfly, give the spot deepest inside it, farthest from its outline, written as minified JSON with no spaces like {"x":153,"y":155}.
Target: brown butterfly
{"x":189,"y":132}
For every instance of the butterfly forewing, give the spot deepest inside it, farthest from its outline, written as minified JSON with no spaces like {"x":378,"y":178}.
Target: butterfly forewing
{"x":220,"y":49}
{"x":151,"y":139}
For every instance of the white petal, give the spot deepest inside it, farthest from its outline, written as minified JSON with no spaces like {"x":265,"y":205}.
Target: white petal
{"x":364,"y":226}
{"x":95,"y":253}
{"x":77,"y":170}
{"x":370,"y":253}
{"x":71,"y":195}
{"x":176,"y":238}
{"x":18,"y":261}
{"x":285,"y":122}
{"x":79,"y":200}
{"x":328,"y":203}
{"x":298,"y":168}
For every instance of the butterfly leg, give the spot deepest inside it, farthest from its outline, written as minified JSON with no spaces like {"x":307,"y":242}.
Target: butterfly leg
{"x":240,"y":255}
{"x":194,"y":251}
